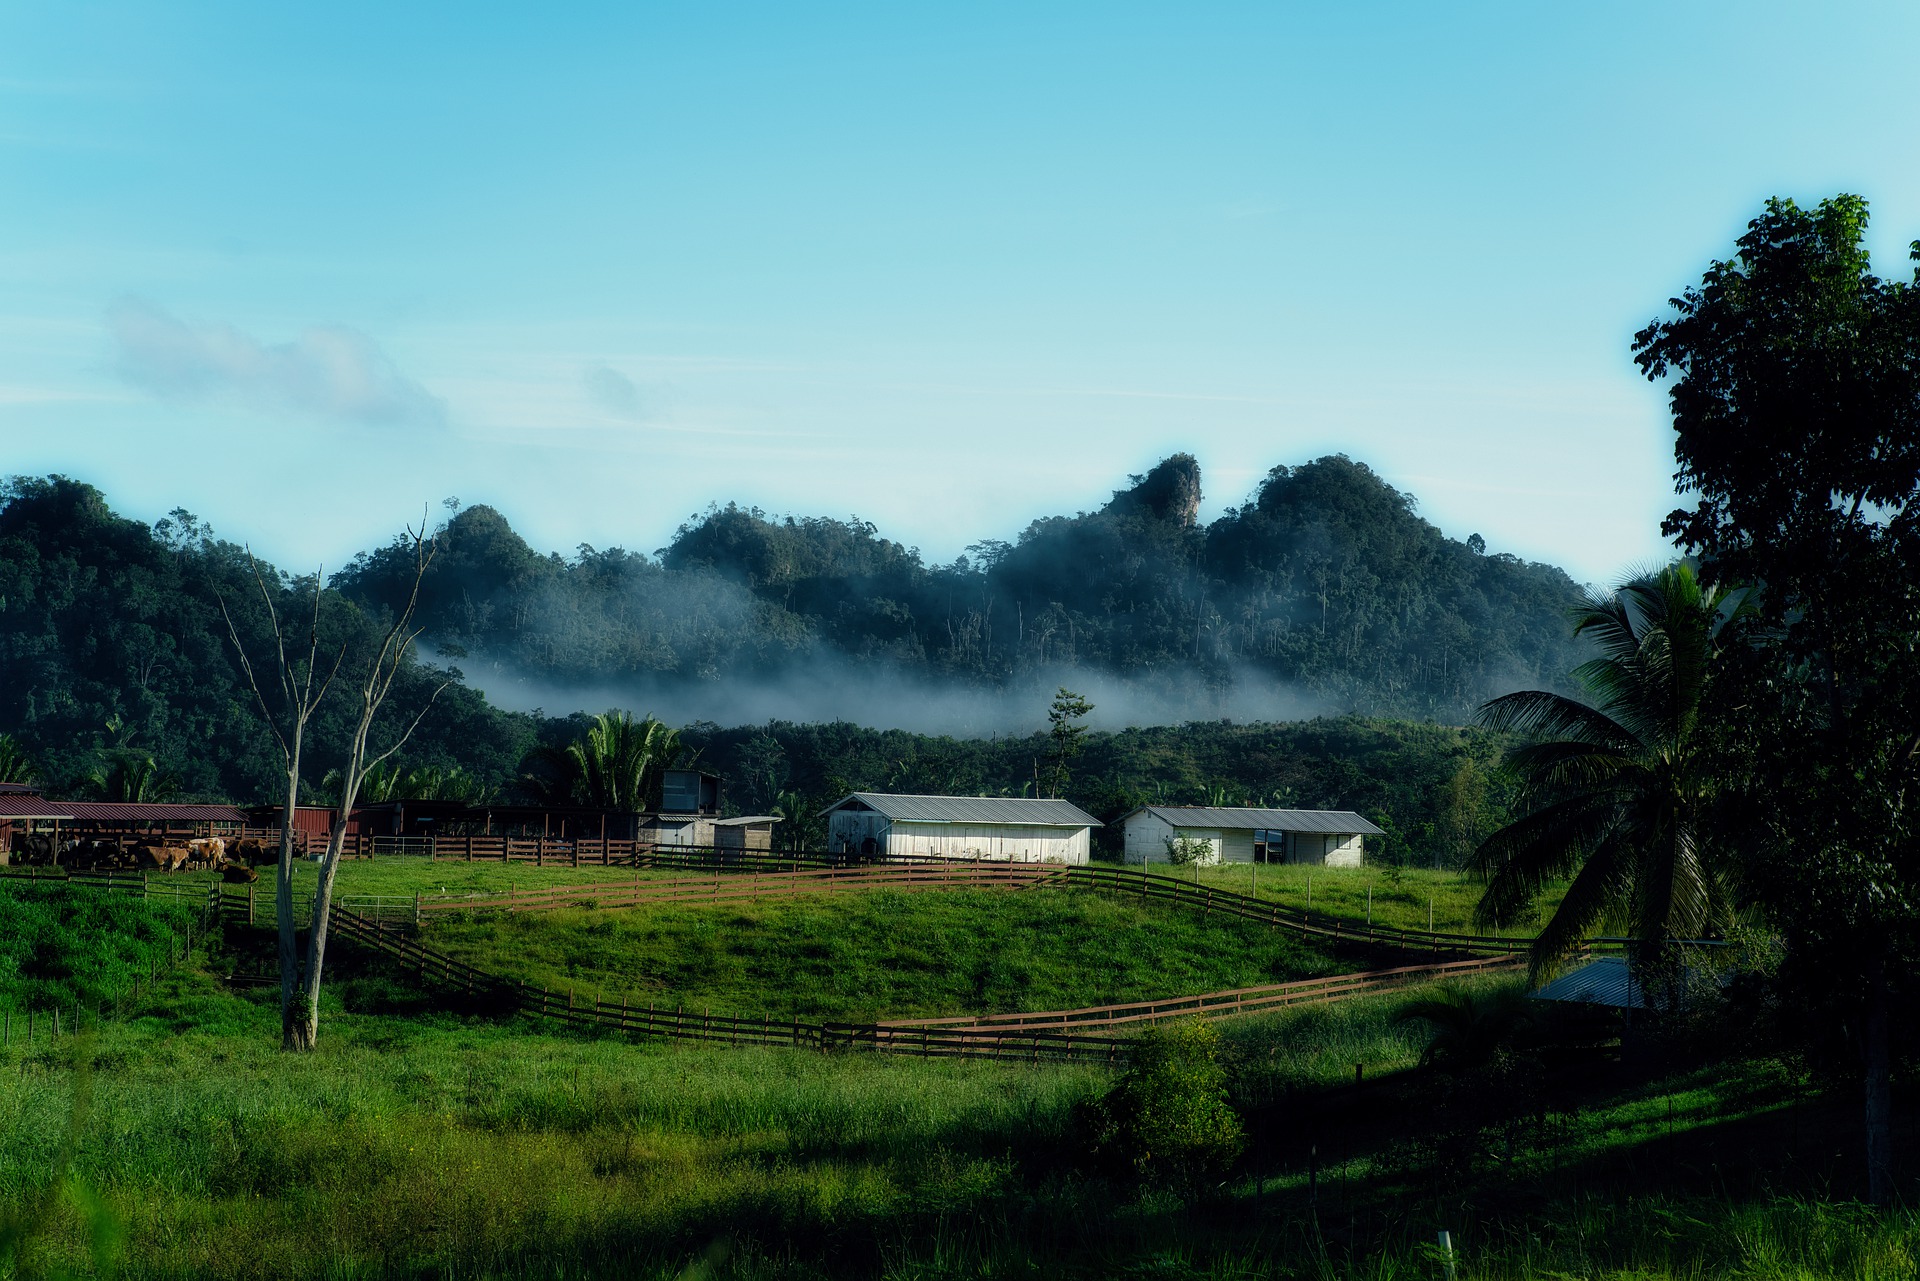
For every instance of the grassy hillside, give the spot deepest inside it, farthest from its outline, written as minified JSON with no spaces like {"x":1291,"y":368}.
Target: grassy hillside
{"x":1399,"y":896}
{"x":60,"y":945}
{"x":882,"y":953}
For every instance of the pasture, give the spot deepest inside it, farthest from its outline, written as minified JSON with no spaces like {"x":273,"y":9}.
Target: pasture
{"x":428,"y":1136}
{"x":882,"y":953}
{"x":434,"y":1145}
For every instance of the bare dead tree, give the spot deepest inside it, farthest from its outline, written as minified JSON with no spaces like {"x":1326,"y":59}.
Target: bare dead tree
{"x":302,"y":690}
{"x":383,"y":666}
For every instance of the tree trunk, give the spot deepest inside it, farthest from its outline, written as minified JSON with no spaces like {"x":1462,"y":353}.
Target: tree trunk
{"x":307,"y":1025}
{"x":1879,"y":1092}
{"x":283,"y":901}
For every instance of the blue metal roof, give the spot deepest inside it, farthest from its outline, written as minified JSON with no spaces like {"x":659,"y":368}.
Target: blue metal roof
{"x":1603,"y":981}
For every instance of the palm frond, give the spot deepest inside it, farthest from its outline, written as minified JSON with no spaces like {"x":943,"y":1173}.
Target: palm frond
{"x":1605,"y":878}
{"x":1526,"y":856}
{"x":1541,"y":713}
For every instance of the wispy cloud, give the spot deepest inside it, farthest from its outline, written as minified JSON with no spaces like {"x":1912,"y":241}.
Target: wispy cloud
{"x":328,"y":371}
{"x":612,"y":391}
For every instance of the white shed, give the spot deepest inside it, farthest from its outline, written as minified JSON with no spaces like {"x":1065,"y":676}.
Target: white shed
{"x":1000,"y":828}
{"x":1328,"y":837}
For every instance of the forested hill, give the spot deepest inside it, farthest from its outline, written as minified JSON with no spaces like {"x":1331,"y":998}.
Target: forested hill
{"x":118,"y":680}
{"x":1326,"y":592}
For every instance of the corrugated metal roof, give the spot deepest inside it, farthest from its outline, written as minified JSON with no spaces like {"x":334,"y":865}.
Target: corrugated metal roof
{"x":1604,"y":981}
{"x":119,"y":812}
{"x":29,"y":789}
{"x":1343,"y":822}
{"x":1011,"y":811}
{"x":746,"y":820}
{"x":17,"y":805}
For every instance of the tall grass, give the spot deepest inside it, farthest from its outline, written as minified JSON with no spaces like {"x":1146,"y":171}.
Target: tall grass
{"x":60,"y":945}
{"x":433,"y":1146}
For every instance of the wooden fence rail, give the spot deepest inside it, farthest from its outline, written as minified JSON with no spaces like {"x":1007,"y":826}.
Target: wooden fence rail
{"x":679,"y":1023}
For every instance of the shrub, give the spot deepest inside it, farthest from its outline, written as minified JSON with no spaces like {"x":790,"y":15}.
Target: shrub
{"x":1185,"y":850}
{"x":1167,"y":1121}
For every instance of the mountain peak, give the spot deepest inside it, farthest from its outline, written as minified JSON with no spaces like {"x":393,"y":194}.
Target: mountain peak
{"x":1171,"y":492}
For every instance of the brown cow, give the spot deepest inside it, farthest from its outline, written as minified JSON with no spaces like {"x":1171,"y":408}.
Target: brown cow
{"x":238,"y":874}
{"x":252,"y":852}
{"x":206,"y":851}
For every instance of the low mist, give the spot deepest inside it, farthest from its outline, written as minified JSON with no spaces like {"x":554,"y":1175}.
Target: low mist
{"x":825,"y":688}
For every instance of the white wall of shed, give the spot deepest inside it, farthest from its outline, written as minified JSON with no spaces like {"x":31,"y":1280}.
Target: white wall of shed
{"x":994,"y":842}
{"x":1327,"y":849}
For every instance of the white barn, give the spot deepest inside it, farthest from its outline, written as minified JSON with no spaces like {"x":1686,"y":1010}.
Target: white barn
{"x":999,"y":828}
{"x":1328,"y":837}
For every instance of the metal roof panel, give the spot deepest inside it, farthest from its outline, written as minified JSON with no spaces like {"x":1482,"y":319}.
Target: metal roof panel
{"x":120,"y":812}
{"x":1007,"y":811}
{"x":1341,"y":822}
{"x":16,"y":805}
{"x":1603,"y":981}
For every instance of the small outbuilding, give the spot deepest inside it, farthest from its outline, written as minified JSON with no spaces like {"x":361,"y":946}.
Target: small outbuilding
{"x":999,"y":828}
{"x":1331,"y":838}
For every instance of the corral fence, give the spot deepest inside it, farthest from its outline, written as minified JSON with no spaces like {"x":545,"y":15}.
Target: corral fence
{"x":1026,"y":1045}
{"x":1052,"y":1035}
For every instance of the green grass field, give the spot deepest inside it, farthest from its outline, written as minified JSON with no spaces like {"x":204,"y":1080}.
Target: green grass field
{"x":432,"y":1146}
{"x":59,"y":946}
{"x":1400,"y":897}
{"x":423,"y":1141}
{"x":884,"y":953}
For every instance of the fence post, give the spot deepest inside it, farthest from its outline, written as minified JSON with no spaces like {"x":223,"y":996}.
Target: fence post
{"x":416,"y":907}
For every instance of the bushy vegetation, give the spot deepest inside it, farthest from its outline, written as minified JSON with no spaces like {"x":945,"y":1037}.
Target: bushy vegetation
{"x":1167,"y":1121}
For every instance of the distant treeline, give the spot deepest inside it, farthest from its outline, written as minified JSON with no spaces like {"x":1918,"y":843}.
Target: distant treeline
{"x":117,"y":678}
{"x":1326,"y":585}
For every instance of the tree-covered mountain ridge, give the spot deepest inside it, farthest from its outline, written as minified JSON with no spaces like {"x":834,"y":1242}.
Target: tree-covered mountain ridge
{"x":1326,"y":586}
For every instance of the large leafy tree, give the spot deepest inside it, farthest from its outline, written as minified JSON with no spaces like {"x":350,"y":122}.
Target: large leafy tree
{"x":1794,"y":378}
{"x":1614,"y":791}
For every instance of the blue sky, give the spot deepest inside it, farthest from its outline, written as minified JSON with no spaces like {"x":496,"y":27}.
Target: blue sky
{"x":303,"y":269}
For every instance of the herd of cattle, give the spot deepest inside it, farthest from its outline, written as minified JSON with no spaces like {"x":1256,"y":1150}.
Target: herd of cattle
{"x":235,"y":859}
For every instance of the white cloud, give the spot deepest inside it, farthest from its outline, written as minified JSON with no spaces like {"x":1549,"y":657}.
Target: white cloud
{"x":613,"y":392}
{"x":328,"y":371}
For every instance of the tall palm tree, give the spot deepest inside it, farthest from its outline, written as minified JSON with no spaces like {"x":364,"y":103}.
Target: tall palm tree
{"x":15,"y":765}
{"x":131,"y":777}
{"x":612,"y":766}
{"x":1613,"y":793}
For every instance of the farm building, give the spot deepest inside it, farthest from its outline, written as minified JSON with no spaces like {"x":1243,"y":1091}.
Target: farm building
{"x":999,"y":828}
{"x":1329,"y":837}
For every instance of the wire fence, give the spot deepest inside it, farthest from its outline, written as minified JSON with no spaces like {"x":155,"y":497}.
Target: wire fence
{"x":27,"y":1026}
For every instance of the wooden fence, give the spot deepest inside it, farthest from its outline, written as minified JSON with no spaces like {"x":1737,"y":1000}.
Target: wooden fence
{"x":1223,"y":1004}
{"x":678,"y":1023}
